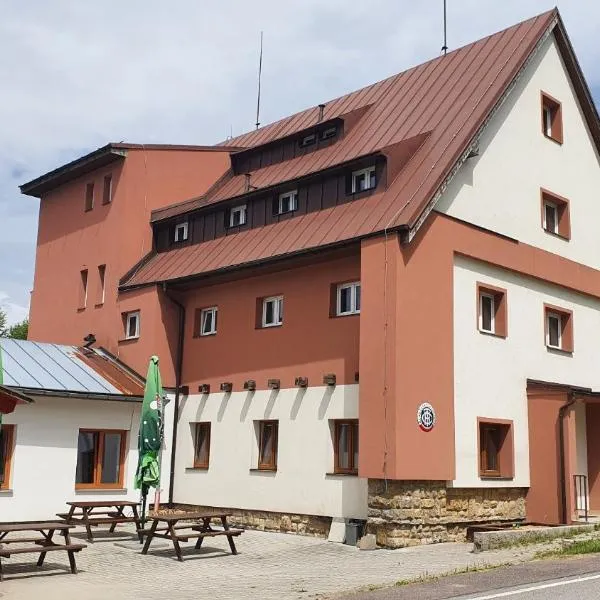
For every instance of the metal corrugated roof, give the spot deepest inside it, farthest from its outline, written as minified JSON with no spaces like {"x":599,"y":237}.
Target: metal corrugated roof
{"x":51,"y":367}
{"x":445,"y":102}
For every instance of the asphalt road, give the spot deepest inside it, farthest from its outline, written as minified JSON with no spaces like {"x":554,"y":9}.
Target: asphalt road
{"x":566,"y":579}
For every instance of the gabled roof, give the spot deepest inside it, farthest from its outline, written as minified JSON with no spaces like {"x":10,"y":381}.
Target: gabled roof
{"x":40,"y":368}
{"x":444,"y":104}
{"x":101,"y":157}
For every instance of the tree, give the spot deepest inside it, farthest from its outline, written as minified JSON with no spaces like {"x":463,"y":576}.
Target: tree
{"x":17,"y":331}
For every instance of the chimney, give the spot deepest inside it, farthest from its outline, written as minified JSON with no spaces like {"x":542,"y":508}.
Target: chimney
{"x":321,"y":111}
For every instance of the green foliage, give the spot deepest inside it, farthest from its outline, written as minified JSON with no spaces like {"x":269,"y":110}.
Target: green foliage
{"x":17,"y":331}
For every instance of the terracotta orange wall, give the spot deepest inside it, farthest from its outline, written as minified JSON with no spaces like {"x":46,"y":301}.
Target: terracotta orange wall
{"x":117,"y":235}
{"x":406,"y":358}
{"x":593,"y":454}
{"x":310,"y":343}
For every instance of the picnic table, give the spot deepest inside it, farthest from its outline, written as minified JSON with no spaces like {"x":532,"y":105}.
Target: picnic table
{"x":43,"y":543}
{"x":88,"y":516}
{"x":196,"y":525}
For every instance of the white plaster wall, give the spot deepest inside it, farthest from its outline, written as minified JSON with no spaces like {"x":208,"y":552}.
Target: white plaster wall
{"x":45,"y":454}
{"x":491,"y":373}
{"x":305,"y":453}
{"x":500,"y":189}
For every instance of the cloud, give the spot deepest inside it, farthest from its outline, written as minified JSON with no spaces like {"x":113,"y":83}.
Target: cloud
{"x":15,"y":312}
{"x":78,"y":74}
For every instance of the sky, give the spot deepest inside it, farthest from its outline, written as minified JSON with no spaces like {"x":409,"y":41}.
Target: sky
{"x":77,"y":75}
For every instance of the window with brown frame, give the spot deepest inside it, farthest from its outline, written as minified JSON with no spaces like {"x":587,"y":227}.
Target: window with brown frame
{"x":89,"y":196}
{"x":267,"y":445}
{"x":107,"y":191}
{"x":7,"y":436}
{"x":201,"y":445}
{"x":346,"y":446}
{"x":555,"y":215}
{"x":558,"y":328}
{"x":552,"y":126}
{"x":496,"y":454}
{"x":491,"y":310}
{"x":100,"y":459}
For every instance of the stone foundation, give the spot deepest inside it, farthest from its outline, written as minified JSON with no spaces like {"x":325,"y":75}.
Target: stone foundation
{"x":265,"y":520}
{"x":408,"y":513}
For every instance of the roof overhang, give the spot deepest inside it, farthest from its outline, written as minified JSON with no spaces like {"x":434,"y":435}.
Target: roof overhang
{"x":9,"y":399}
{"x":574,"y":392}
{"x":90,"y":162}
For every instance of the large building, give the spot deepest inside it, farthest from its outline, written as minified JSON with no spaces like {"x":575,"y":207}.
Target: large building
{"x":384,"y":307}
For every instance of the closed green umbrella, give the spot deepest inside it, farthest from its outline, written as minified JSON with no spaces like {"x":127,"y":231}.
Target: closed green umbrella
{"x":150,"y":435}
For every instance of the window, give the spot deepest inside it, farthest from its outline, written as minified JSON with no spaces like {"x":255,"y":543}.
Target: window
{"x":89,"y":196}
{"x":132,"y":325}
{"x":201,"y":445}
{"x":346,"y":447}
{"x":272,"y":311}
{"x":107,"y":190}
{"x":496,"y":455}
{"x":552,"y":118}
{"x":101,"y":284}
{"x":363,"y":180}
{"x":7,"y":436}
{"x":328,"y":133}
{"x":555,"y":214}
{"x":348,"y":299}
{"x":100,"y":459}
{"x":83,"y":288}
{"x":308,"y":140}
{"x":491,"y":310}
{"x":208,"y":321}
{"x":237,"y":216}
{"x":558,"y":326}
{"x":288,"y":202}
{"x":181,"y":232}
{"x":267,"y":445}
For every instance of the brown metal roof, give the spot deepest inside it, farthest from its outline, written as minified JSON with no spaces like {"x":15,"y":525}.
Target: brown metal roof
{"x":449,"y":98}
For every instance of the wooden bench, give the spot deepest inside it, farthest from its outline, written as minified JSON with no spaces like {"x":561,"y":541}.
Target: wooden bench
{"x":39,"y":545}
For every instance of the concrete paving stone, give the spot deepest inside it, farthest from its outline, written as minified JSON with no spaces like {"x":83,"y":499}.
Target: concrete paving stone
{"x":269,"y":566}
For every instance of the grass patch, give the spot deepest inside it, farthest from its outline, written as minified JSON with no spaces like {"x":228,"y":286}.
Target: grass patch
{"x":590,"y":546}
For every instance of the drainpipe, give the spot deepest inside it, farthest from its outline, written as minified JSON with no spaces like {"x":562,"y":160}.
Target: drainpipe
{"x":178,"y":370}
{"x":561,"y":436}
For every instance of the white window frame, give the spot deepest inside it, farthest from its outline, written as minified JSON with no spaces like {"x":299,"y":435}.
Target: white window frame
{"x":128,"y":317}
{"x":329,"y":133}
{"x":241,"y":210}
{"x":353,"y":287}
{"x":367,"y":173}
{"x":293,"y":198}
{"x":203,"y":313}
{"x":181,"y":227}
{"x":277,"y":311}
{"x":492,"y":298}
{"x":308,"y":140}
{"x":559,"y":317}
{"x":547,"y":120}
{"x":554,"y":206}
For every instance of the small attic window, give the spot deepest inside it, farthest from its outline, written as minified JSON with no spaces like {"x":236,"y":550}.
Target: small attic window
{"x":181,"y":232}
{"x":329,"y":133}
{"x":552,"y":126}
{"x":308,"y":140}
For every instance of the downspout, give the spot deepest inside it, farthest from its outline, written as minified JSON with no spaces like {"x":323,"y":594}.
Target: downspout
{"x":178,"y":370}
{"x":561,"y":436}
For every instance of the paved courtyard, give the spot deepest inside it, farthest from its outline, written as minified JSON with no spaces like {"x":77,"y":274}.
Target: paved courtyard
{"x":269,"y":566}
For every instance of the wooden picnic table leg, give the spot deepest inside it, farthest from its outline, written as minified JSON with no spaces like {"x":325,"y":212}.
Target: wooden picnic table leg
{"x":173,"y":535}
{"x":85,"y":518}
{"x":119,"y":514}
{"x":138,"y":525}
{"x":71,"y":553}
{"x":149,"y":537}
{"x":229,"y":537}
{"x":205,"y":527}
{"x":48,"y":537}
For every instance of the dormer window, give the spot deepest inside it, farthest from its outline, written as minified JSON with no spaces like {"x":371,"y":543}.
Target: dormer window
{"x":237,"y":216}
{"x":308,"y":140}
{"x":181,"y":232}
{"x":328,"y":133}
{"x":288,"y":202}
{"x":363,"y":180}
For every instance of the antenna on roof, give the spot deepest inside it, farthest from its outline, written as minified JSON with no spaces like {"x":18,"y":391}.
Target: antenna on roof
{"x":259,"y":74}
{"x":445,"y":46}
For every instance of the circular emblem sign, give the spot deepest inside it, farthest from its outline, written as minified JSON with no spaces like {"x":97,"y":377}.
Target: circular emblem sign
{"x":426,"y":416}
